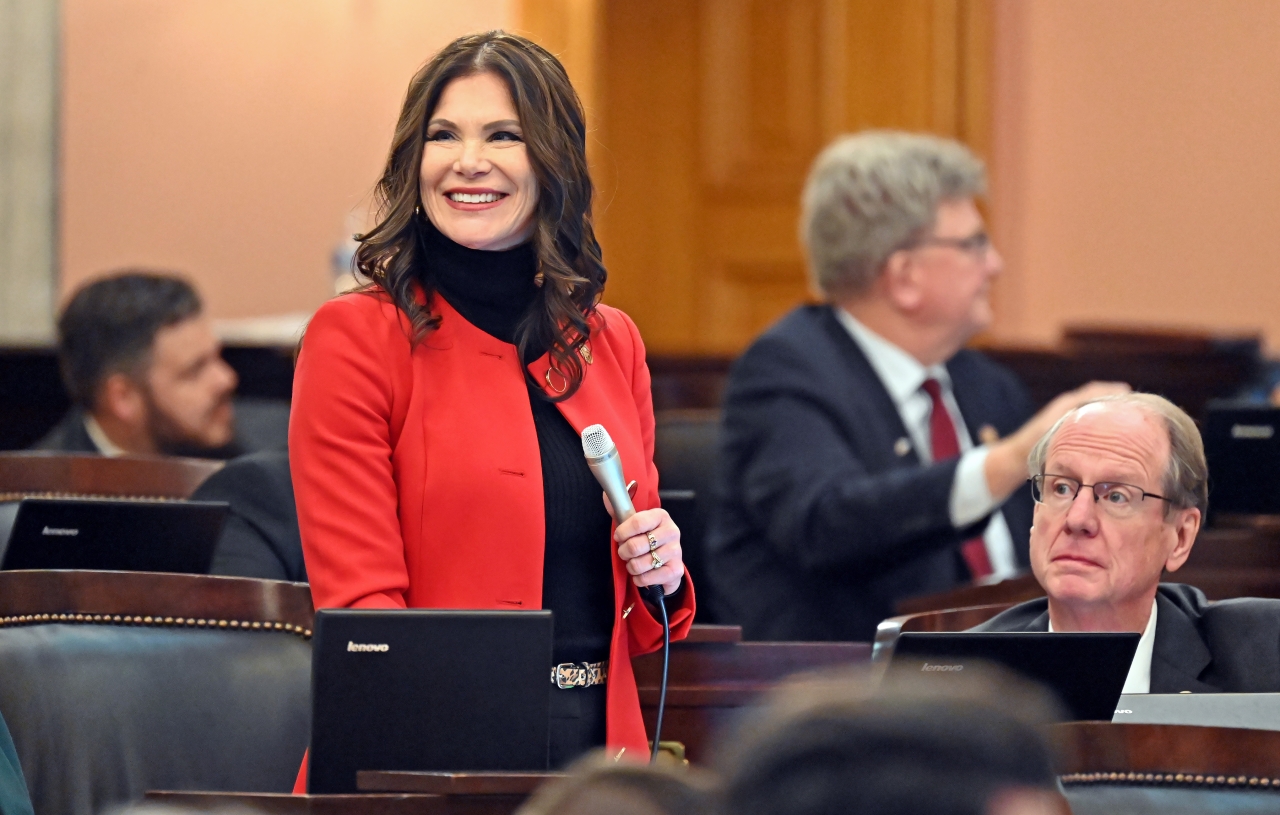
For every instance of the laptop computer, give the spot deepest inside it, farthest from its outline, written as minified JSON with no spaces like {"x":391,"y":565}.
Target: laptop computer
{"x":423,"y":689}
{"x":1086,"y":671}
{"x":1250,"y":711}
{"x":133,"y":536}
{"x":1242,"y":445}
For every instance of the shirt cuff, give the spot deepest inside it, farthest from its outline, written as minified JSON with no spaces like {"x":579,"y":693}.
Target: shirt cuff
{"x":971,"y":498}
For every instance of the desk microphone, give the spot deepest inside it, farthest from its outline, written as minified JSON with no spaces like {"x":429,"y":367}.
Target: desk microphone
{"x":606,"y":466}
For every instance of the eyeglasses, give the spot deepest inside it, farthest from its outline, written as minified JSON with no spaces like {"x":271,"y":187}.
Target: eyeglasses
{"x":977,"y":244}
{"x":1058,"y":492}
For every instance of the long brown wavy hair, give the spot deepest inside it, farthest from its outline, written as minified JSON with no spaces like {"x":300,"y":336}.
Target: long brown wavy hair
{"x":564,"y":242}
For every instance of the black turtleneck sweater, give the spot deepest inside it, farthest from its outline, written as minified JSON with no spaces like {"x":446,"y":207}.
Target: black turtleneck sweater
{"x":493,"y":290}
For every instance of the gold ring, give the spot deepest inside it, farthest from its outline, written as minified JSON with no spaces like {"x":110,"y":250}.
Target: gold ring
{"x":657,"y":562}
{"x":653,"y":542}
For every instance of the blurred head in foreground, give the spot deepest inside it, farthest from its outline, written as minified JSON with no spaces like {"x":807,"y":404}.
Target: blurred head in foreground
{"x":598,"y":786}
{"x":141,"y":360}
{"x":834,"y":745}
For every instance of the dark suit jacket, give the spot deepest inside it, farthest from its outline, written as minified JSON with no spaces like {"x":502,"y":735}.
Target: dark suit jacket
{"x":68,"y":435}
{"x":1230,"y":646}
{"x":261,"y":536}
{"x":820,"y":525}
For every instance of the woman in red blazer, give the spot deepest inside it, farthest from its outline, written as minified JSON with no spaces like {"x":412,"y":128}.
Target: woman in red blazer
{"x":434,"y":434}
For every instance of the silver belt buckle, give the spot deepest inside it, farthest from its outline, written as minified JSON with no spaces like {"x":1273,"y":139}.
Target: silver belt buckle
{"x":578,"y":674}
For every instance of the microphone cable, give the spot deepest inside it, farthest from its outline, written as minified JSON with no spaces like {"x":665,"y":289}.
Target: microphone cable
{"x":656,"y":592}
{"x":606,"y":465}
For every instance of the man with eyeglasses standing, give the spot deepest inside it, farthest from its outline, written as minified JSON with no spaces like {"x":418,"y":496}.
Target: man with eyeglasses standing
{"x":1121,"y":488}
{"x":865,"y":457}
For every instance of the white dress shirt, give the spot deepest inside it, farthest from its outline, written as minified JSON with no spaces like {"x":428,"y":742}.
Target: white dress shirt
{"x":1139,"y":678}
{"x":903,"y":377}
{"x":100,"y":440}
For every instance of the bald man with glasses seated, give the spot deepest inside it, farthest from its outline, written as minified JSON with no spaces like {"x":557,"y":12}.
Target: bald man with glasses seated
{"x":1120,"y":487}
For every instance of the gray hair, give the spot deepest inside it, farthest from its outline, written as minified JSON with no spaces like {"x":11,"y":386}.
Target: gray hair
{"x":1186,"y":474}
{"x":871,"y":194}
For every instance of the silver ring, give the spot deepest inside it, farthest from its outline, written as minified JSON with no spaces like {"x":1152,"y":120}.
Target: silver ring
{"x":653,"y":542}
{"x":657,"y":562}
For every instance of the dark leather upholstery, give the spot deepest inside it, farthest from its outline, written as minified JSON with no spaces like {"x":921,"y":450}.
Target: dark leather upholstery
{"x":102,"y":713}
{"x":685,"y":444}
{"x":1134,"y":799}
{"x":116,"y":683}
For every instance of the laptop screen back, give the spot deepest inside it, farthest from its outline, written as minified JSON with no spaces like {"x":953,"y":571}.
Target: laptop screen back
{"x":1086,"y":671}
{"x":1242,"y":446}
{"x":427,"y":689}
{"x":132,"y":536}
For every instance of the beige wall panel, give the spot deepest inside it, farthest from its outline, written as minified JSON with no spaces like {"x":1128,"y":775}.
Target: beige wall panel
{"x":235,"y":140}
{"x":1136,"y":164}
{"x":28,"y":168}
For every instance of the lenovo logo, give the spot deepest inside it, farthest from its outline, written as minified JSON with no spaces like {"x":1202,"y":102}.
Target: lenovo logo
{"x":59,"y":532}
{"x":928,"y":667}
{"x":1252,"y":431}
{"x":367,"y":646}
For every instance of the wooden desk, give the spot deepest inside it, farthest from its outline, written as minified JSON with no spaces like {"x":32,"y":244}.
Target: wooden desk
{"x":285,"y":804}
{"x":385,"y":793}
{"x":713,"y":674}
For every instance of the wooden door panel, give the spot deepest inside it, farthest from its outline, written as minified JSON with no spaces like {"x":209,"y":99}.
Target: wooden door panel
{"x":706,"y":115}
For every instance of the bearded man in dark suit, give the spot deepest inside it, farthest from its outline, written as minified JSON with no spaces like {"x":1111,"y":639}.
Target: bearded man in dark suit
{"x":1121,"y":488}
{"x":144,"y":370}
{"x":865,"y":457}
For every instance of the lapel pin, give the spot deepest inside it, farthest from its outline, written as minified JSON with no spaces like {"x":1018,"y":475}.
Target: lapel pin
{"x":902,"y":446}
{"x":988,"y":434}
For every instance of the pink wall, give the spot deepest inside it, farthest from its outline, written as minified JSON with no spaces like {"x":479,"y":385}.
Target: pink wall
{"x":230,"y":139}
{"x":1137,"y":164}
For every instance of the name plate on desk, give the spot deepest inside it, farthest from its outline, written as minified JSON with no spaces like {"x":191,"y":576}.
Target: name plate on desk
{"x":1250,"y":711}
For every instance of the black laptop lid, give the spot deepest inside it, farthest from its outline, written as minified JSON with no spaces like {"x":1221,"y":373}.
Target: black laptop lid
{"x":427,"y":689}
{"x":1242,"y":446}
{"x":1086,"y":671}
{"x":133,"y":536}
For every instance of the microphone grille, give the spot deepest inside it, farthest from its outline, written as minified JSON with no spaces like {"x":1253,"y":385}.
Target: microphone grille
{"x":596,"y":442}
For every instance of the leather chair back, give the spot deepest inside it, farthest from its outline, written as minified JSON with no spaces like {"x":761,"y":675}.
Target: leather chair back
{"x":116,"y":683}
{"x":685,"y":450}
{"x":56,"y":475}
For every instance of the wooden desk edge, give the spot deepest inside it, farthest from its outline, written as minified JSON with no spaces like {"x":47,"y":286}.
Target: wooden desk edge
{"x":446,"y":783}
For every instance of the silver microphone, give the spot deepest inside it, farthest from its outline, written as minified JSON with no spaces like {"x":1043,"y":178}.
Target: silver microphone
{"x":606,"y":465}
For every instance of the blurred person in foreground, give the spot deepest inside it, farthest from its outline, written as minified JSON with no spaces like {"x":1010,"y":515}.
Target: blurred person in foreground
{"x":837,"y":745}
{"x":596,"y":785}
{"x":144,"y":370}
{"x":435,"y":435}
{"x":866,"y":456}
{"x":1121,"y":488}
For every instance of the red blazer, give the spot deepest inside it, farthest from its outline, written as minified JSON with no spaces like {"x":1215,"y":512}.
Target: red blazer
{"x":418,"y":478}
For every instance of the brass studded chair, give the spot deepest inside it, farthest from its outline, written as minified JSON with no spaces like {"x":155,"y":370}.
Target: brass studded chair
{"x":116,"y":683}
{"x":1119,"y":769}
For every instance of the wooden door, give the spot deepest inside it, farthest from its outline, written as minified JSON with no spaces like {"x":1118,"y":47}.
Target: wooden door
{"x":705,"y":116}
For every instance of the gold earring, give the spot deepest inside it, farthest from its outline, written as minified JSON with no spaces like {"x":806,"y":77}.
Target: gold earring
{"x":564,"y":380}
{"x":539,"y":279}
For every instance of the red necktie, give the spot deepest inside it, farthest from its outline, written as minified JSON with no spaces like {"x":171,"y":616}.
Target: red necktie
{"x":942,"y":432}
